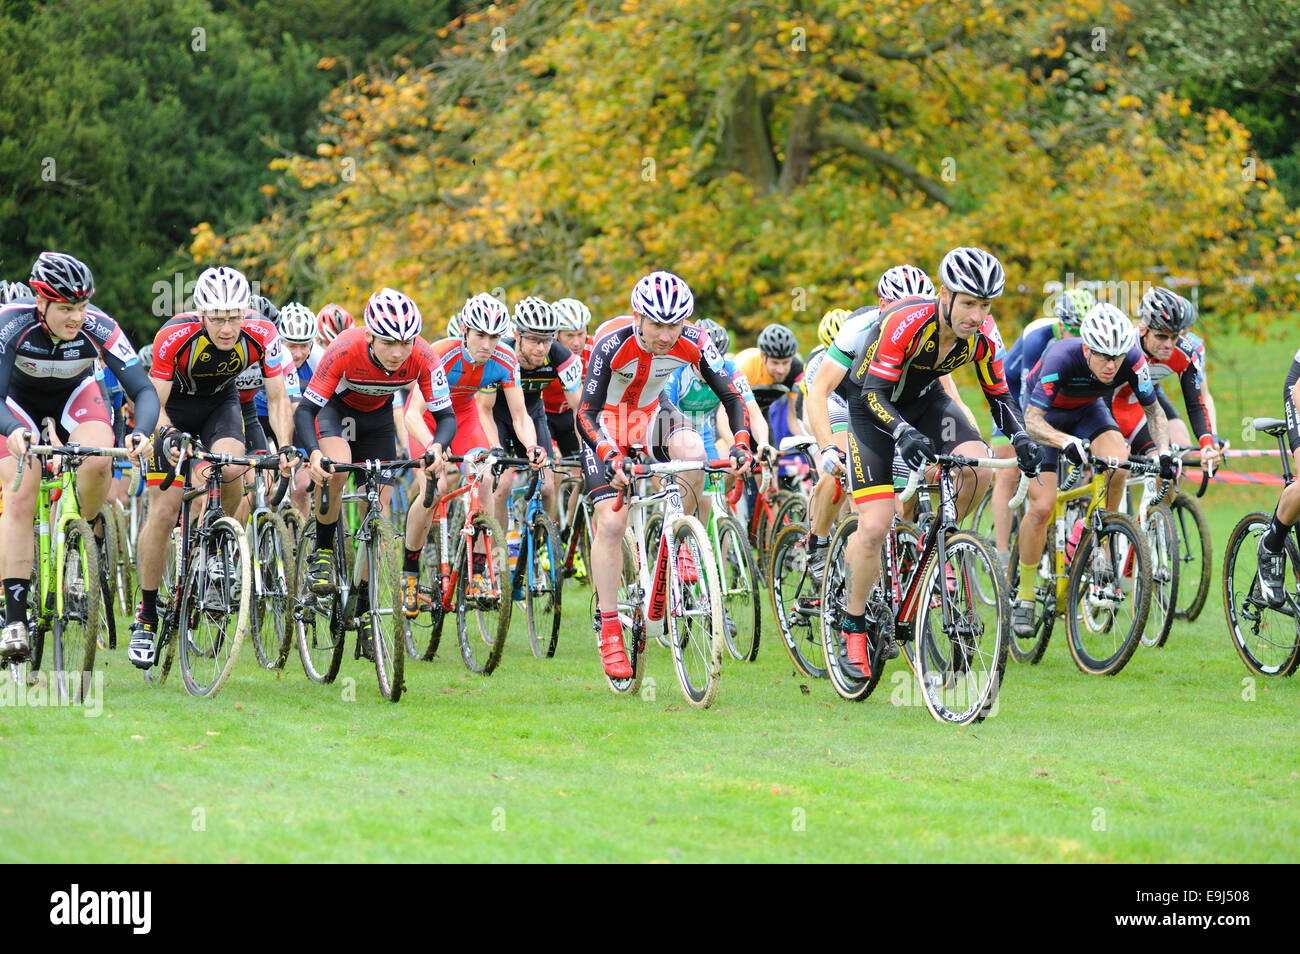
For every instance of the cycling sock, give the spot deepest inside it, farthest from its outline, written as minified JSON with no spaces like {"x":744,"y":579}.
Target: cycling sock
{"x":411,"y":564}
{"x":149,"y":606}
{"x":325,"y":535}
{"x":855,"y":622}
{"x":815,"y":542}
{"x":1274,"y":537}
{"x":16,"y":600}
{"x":1028,"y":576}
{"x":608,"y":617}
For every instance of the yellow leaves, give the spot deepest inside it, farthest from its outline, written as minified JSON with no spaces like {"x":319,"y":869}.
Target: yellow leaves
{"x":205,"y":245}
{"x":327,"y":63}
{"x":325,"y":149}
{"x":266,"y":189}
{"x":1057,"y":49}
{"x":1128,"y":101}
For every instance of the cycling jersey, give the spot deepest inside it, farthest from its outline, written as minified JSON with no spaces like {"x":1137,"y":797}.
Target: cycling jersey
{"x":853,"y":336}
{"x":184,"y":355}
{"x":699,"y":403}
{"x":625,"y":382}
{"x":553,"y":393}
{"x":302,"y":373}
{"x":900,"y":362}
{"x":837,"y":405}
{"x":36,"y":369}
{"x":1188,"y":363}
{"x":561,"y":366}
{"x":350,"y":376}
{"x":1062,"y":379}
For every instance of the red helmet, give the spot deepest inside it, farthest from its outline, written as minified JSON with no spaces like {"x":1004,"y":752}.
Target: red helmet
{"x":333,"y":320}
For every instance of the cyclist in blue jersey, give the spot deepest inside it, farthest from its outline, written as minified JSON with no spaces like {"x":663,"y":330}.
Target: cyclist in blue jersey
{"x":298,"y":329}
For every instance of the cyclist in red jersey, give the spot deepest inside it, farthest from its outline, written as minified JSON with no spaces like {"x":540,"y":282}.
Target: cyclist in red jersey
{"x":622,"y":405}
{"x":197,"y":357}
{"x":562,"y":421}
{"x":476,"y":362}
{"x":350,"y":400}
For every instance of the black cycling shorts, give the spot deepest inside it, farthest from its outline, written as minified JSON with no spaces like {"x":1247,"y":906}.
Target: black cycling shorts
{"x":510,"y":441}
{"x":210,"y":419}
{"x":564,"y":433}
{"x":871,"y":450}
{"x":666,"y":422}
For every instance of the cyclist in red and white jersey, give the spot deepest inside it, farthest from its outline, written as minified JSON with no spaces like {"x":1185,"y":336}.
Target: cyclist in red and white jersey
{"x":561,"y":420}
{"x":622,"y":405}
{"x":349,"y":401}
{"x":331,"y":321}
{"x":197,"y":358}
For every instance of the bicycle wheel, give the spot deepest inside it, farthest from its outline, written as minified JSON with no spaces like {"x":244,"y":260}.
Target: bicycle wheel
{"x":793,"y":509}
{"x":796,"y":602}
{"x":633,"y":620}
{"x":273,"y":586}
{"x":963,"y":640}
{"x":1162,"y":539}
{"x":1108,"y":595}
{"x":694,"y":613}
{"x":384,"y":580}
{"x":980,"y":518}
{"x":168,"y":605}
{"x":76,"y":628}
{"x":542,"y":583}
{"x":124,"y":569}
{"x":834,"y":597}
{"x":483,"y":599}
{"x":741,"y":586}
{"x":425,"y":631}
{"x":1266,"y":639}
{"x":318,"y":620}
{"x":1195,"y":556}
{"x":108,"y":556}
{"x":213,"y":613}
{"x":1029,"y":649}
{"x":293,"y":524}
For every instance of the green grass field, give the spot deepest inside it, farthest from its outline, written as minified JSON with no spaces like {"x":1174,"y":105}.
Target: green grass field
{"x":1181,"y":757}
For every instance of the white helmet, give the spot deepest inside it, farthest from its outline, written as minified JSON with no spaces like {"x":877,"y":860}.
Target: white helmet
{"x":485,"y":314}
{"x":573,"y":314}
{"x":221,"y":289}
{"x":392,"y":315}
{"x":972,"y":271}
{"x":298,"y":323}
{"x":1107,"y":330}
{"x":534,"y":316}
{"x":904,"y":281}
{"x":453,"y":327}
{"x":663,"y":298}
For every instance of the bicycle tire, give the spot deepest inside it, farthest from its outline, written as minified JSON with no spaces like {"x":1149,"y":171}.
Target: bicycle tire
{"x":318,"y":620}
{"x":1196,"y":554}
{"x":741,"y":586}
{"x":127,"y":582}
{"x":795,"y":602}
{"x":1029,"y":650}
{"x":632,"y":618}
{"x":482,"y":628}
{"x":274,"y":566}
{"x":384,"y":582}
{"x":694,"y":613}
{"x":1162,"y":540}
{"x":543,"y":584}
{"x":1266,"y":639}
{"x":168,"y":607}
{"x":424,"y":632}
{"x":834,"y":596}
{"x":210,"y":605}
{"x":76,"y":629}
{"x":1125,"y":546}
{"x":108,"y":560}
{"x":963,"y":640}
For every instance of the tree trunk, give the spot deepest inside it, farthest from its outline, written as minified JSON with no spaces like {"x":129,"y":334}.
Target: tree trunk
{"x":799,"y":148}
{"x":746,"y":139}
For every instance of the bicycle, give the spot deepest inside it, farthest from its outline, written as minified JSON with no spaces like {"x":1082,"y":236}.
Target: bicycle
{"x":211,"y":586}
{"x":932,"y":593}
{"x":1195,"y":552}
{"x":469,"y":582}
{"x":1101,"y":583}
{"x":537,"y":579}
{"x":682,"y":591}
{"x":65,"y":595}
{"x":1267,"y":638}
{"x":273,"y":575}
{"x":575,"y":518}
{"x":1157,"y":521}
{"x":322,"y":621}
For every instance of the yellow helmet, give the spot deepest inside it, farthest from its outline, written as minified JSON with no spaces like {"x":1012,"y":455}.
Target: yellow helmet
{"x":830,"y":325}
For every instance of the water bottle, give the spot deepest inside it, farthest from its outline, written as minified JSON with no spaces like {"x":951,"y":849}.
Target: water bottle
{"x":512,"y":538}
{"x":1073,"y":540}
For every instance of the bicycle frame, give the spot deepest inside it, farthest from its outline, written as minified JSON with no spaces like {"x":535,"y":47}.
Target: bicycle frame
{"x":450,"y":575}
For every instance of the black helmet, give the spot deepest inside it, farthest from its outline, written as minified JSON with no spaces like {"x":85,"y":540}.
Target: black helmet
{"x":721,"y":337}
{"x":263,"y":307}
{"x":1163,"y":310}
{"x":778,"y":341}
{"x":57,"y":276}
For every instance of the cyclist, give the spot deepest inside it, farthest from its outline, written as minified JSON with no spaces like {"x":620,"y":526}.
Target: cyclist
{"x":1017,"y":361}
{"x":1163,"y":320}
{"x":543,"y":361}
{"x":197,"y":358}
{"x":831,"y":389}
{"x":1270,"y":550}
{"x":574,"y":319}
{"x":298,"y":330}
{"x":477,"y":362}
{"x":702,"y":408}
{"x":332,"y":321}
{"x":623,"y":404}
{"x":48,"y":346}
{"x":899,"y":408}
{"x":1069,"y":404}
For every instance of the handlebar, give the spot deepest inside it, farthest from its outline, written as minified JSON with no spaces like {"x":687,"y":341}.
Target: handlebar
{"x":956,"y":460}
{"x":668,"y":468}
{"x":67,"y":450}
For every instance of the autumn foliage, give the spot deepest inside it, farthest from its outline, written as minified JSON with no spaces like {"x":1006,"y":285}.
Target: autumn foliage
{"x":778,"y":159}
